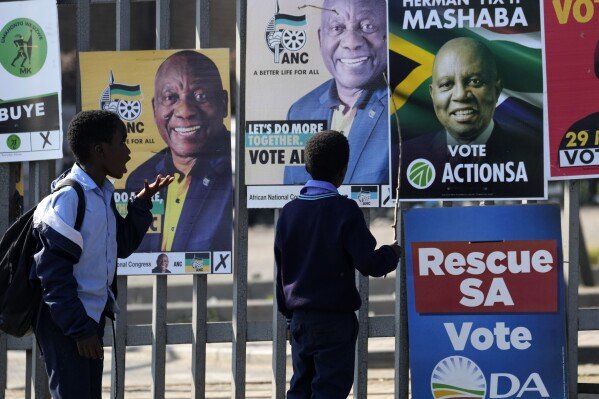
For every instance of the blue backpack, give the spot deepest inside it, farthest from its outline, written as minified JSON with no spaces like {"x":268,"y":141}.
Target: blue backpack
{"x":21,"y":294}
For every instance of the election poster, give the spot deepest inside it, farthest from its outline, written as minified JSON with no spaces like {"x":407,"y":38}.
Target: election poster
{"x":301,"y":78}
{"x":467,"y":79}
{"x":30,"y":88}
{"x":572,"y":56}
{"x":486,"y":302}
{"x":175,"y":106}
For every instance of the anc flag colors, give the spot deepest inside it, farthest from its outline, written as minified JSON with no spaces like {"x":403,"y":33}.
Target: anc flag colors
{"x":518,"y":53}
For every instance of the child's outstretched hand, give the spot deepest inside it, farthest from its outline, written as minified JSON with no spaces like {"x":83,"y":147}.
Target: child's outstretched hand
{"x":397,"y":249}
{"x":151,"y":189}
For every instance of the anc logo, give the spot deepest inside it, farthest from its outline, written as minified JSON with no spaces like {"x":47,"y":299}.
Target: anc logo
{"x":421,"y":173}
{"x":124,"y":100}
{"x":198,"y":262}
{"x":13,"y":142}
{"x":23,"y":47}
{"x":284,"y":34}
{"x":458,"y":377}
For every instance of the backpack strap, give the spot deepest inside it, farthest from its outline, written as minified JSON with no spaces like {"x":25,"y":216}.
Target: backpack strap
{"x":80,"y":194}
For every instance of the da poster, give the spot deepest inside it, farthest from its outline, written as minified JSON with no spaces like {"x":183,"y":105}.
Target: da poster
{"x":30,"y":92}
{"x":486,"y":305}
{"x":467,"y":84}
{"x":300,"y":80}
{"x":572,"y":56}
{"x":175,"y":106}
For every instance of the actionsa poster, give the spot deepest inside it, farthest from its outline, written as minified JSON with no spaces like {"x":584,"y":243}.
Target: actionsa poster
{"x":572,"y":56}
{"x":467,"y":79}
{"x":312,"y":67}
{"x":486,"y":302}
{"x":175,"y":105}
{"x":30,"y":88}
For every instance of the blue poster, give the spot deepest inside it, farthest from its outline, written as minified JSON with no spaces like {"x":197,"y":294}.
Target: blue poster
{"x":486,"y":308}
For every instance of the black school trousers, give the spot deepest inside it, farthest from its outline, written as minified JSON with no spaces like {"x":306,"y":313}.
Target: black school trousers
{"x":323,"y":348}
{"x":70,"y":376}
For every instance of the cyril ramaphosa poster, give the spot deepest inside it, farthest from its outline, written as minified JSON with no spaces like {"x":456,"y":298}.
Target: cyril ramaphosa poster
{"x":313,"y":67}
{"x":467,"y":80}
{"x":175,"y":105}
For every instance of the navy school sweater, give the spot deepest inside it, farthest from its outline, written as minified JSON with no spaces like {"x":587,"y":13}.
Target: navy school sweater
{"x":320,"y":242}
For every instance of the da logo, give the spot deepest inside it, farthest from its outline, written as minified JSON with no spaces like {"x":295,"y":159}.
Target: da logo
{"x":421,"y":173}
{"x":458,"y":377}
{"x":124,"y":100}
{"x":284,"y":39}
{"x":23,"y":47}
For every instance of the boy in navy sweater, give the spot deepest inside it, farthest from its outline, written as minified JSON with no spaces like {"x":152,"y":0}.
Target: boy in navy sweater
{"x":321,"y":239}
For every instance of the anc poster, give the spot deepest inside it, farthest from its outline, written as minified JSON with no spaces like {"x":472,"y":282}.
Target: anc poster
{"x":30,"y":84}
{"x":572,"y":56}
{"x":175,"y":105}
{"x":472,"y":121}
{"x":486,"y":302}
{"x":312,"y":67}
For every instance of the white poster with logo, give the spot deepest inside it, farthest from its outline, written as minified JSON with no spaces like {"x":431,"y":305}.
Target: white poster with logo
{"x":302,"y":77}
{"x":486,"y":302}
{"x":30,"y":85}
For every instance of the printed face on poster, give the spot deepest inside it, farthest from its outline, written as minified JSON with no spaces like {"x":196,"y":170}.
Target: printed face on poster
{"x":30,"y":92}
{"x":486,"y":304}
{"x":572,"y":56}
{"x":312,"y":68}
{"x":467,"y":85}
{"x":175,"y":105}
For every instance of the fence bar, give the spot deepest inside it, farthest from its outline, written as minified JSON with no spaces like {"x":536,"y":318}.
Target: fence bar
{"x":163,"y":24}
{"x":361,"y":364}
{"x":279,"y":342}
{"x":39,"y":376}
{"x":28,"y":374}
{"x":3,"y":363}
{"x":83,"y":17}
{"x":401,"y":364}
{"x":123,"y":25}
{"x":200,"y":336}
{"x":572,"y":231}
{"x":41,"y":174}
{"x":158,"y":337}
{"x":119,"y":347}
{"x":203,"y":23}
{"x":8,"y":183}
{"x":240,"y":234}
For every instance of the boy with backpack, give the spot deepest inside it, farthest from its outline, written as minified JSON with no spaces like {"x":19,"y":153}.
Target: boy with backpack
{"x":77,"y":268}
{"x":321,"y":239}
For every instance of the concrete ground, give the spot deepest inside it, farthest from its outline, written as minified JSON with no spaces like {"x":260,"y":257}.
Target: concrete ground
{"x":258,"y":377}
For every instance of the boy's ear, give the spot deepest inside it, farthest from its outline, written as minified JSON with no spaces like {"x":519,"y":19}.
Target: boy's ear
{"x":98,"y":149}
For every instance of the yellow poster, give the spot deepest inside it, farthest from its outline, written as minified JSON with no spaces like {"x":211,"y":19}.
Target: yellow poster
{"x":176,"y":108}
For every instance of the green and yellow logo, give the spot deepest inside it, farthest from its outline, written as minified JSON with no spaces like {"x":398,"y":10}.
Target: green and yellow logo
{"x":198,"y":262}
{"x":13,"y":142}
{"x":458,"y":377}
{"x":23,"y":47}
{"x":421,"y":173}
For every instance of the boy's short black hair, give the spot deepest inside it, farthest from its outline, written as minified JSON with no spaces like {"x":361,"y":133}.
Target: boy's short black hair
{"x":89,"y":128}
{"x":326,"y":155}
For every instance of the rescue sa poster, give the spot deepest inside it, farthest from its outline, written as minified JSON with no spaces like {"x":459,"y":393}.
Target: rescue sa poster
{"x":30,"y":89}
{"x":467,"y":79}
{"x":486,"y":304}
{"x":572,"y":52}
{"x":303,"y":77}
{"x":175,"y":105}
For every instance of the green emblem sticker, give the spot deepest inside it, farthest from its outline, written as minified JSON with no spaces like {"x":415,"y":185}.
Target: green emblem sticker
{"x":421,"y":173}
{"x":13,"y":142}
{"x":23,"y":47}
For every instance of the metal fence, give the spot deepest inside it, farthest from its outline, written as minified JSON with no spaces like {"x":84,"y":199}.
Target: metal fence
{"x":240,"y":331}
